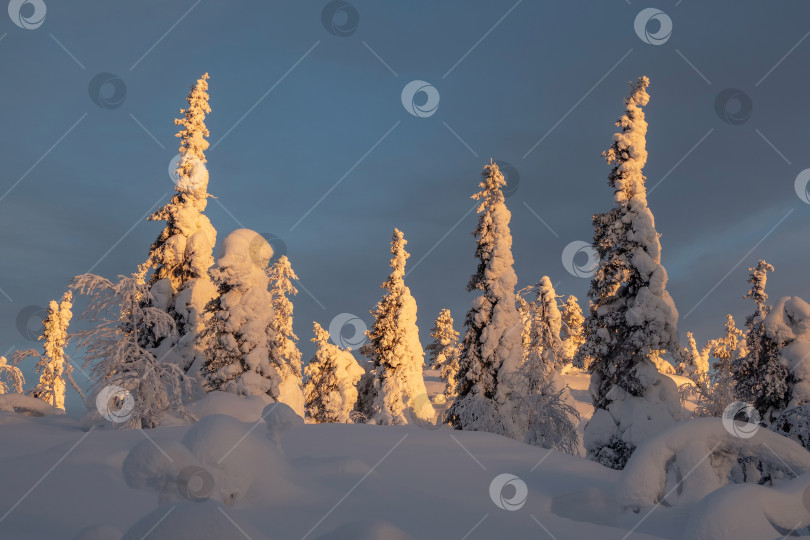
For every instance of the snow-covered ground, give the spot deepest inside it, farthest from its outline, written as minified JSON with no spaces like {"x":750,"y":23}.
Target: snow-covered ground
{"x":236,"y":475}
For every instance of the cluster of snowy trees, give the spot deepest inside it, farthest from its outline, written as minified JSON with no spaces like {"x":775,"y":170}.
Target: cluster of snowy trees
{"x":187,"y":322}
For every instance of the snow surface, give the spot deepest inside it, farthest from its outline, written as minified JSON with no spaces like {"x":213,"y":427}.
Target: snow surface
{"x":336,"y":482}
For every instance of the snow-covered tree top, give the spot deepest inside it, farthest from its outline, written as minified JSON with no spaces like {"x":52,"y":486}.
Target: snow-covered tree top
{"x":758,"y":279}
{"x":245,"y":254}
{"x":194,"y":133}
{"x":628,"y":154}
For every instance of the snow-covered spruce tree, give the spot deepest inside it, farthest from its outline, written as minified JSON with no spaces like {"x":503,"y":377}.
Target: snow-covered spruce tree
{"x":492,"y":347}
{"x":10,"y":377}
{"x":694,"y":362}
{"x":444,"y":351}
{"x":572,"y":328}
{"x":445,"y":340}
{"x":284,"y":353}
{"x":330,"y":391}
{"x":631,"y":312}
{"x":394,"y":348}
{"x":122,"y":316}
{"x":760,"y":377}
{"x":542,"y":411}
{"x":183,"y":252}
{"x":238,"y":334}
{"x":54,"y":368}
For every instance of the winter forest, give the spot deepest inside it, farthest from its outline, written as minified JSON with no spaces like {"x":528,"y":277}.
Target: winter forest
{"x":175,"y":398}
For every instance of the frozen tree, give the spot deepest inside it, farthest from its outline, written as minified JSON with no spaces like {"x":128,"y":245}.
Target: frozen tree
{"x":716,"y":392}
{"x":445,"y":340}
{"x":572,"y":328}
{"x":10,"y":377}
{"x":546,"y":350}
{"x":284,"y":353}
{"x":541,"y":409}
{"x":239,"y":334}
{"x":183,"y":252}
{"x":631,"y":314}
{"x":444,"y":351}
{"x":124,"y":320}
{"x":492,"y":347}
{"x":760,"y":377}
{"x":694,"y":362}
{"x":53,"y":367}
{"x":394,"y":348}
{"x":330,"y":390}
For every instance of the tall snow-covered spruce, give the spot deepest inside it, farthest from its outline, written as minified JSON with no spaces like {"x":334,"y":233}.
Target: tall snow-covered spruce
{"x":395,"y":350}
{"x":239,"y":334}
{"x":284,"y":353}
{"x":631,"y":315}
{"x":330,"y":391}
{"x":492,"y":346}
{"x":54,"y":368}
{"x":183,"y":252}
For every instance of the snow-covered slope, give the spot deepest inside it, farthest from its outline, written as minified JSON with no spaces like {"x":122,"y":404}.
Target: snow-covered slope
{"x":329,"y":481}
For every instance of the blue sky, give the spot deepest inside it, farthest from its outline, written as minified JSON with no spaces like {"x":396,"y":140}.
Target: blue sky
{"x":302,"y":107}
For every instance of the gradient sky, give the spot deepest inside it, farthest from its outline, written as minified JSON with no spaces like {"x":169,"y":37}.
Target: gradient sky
{"x":295,"y":108}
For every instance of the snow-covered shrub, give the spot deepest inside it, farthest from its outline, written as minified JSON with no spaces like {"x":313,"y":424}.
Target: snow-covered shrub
{"x":689,"y":460}
{"x":752,"y":511}
{"x":117,"y":347}
{"x":394,"y":348}
{"x":10,"y":377}
{"x":632,"y":316}
{"x":330,"y":390}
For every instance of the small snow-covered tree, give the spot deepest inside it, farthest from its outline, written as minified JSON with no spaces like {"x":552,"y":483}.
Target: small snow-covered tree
{"x":330,"y":391}
{"x":10,"y":377}
{"x":760,"y":377}
{"x":631,"y":313}
{"x":716,"y":393}
{"x":394,"y":348}
{"x":183,"y":252}
{"x":492,"y":345}
{"x":445,"y":340}
{"x":694,"y":362}
{"x":238,"y":335}
{"x":54,"y":368}
{"x":572,"y":328}
{"x":541,"y":408}
{"x":444,"y":351}
{"x":123,"y":320}
{"x":284,"y":353}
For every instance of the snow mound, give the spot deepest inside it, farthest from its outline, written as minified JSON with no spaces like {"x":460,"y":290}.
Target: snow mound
{"x":242,"y":408}
{"x":752,"y":511}
{"x":216,"y":459}
{"x":366,"y":530}
{"x":27,"y":405}
{"x":193,"y":521}
{"x":279,"y":418}
{"x":700,"y":455}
